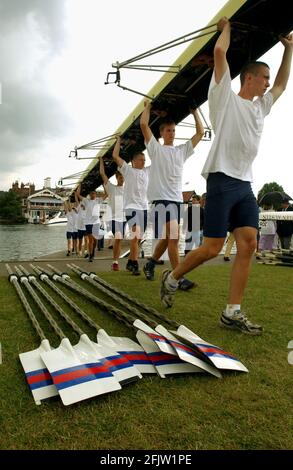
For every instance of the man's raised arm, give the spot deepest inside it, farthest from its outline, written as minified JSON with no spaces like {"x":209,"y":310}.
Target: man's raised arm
{"x":199,"y":128}
{"x":221,"y":48}
{"x":77,"y":195}
{"x":102,"y":172}
{"x":282,"y":77}
{"x":144,"y":122}
{"x":116,"y":157}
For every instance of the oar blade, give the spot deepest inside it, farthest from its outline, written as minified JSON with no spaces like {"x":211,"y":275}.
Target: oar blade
{"x":74,"y":379}
{"x":132,"y":351}
{"x":88,"y":352}
{"x":186,"y":353}
{"x":161,"y":342}
{"x":112,"y":360}
{"x":165,"y":364}
{"x":221,"y":359}
{"x":127,"y":369}
{"x":37,"y":375}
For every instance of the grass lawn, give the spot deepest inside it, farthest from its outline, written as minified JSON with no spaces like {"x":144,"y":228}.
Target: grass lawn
{"x":241,"y":411}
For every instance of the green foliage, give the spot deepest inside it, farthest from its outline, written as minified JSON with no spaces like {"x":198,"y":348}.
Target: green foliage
{"x":268,"y":188}
{"x":10,"y":207}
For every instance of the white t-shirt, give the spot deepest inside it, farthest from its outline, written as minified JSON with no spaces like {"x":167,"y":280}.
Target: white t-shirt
{"x":92,"y":211}
{"x":70,"y":221}
{"x":135,"y":187}
{"x":81,"y":213}
{"x":74,"y":220}
{"x":238,"y":124}
{"x":166,"y":171}
{"x":116,"y":194}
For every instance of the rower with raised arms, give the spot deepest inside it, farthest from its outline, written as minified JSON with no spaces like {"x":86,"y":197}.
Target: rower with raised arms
{"x":237,"y":120}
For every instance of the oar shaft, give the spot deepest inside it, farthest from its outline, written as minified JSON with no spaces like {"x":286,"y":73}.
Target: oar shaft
{"x":69,"y":301}
{"x":40,"y":304}
{"x":54,"y":304}
{"x":120,"y":300}
{"x":26,"y":305}
{"x":158,"y":315}
{"x":123,"y":316}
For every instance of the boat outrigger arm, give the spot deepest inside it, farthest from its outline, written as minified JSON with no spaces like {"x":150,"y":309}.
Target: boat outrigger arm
{"x":128,"y":64}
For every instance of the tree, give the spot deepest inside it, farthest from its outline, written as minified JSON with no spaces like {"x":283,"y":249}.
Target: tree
{"x":268,"y":188}
{"x":10,"y":207}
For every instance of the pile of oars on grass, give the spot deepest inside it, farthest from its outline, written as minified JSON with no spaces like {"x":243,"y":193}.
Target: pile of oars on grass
{"x":277,"y":258}
{"x":91,"y":368}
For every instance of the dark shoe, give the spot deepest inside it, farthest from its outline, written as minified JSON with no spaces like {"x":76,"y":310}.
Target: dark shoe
{"x":87,"y":255}
{"x":68,"y":253}
{"x":185,"y":284}
{"x":135,"y":270}
{"x":240,"y":322}
{"x":129,"y":265}
{"x":149,"y":270}
{"x":226,"y":258}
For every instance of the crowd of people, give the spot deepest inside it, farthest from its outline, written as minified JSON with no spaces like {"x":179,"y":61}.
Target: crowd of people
{"x":230,"y":205}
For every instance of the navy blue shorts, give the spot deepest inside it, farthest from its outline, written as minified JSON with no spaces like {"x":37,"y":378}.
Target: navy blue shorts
{"x":118,"y":227}
{"x":81,"y":234}
{"x":163,"y":212}
{"x":69,"y":235}
{"x":89,"y":229}
{"x":230,"y":203}
{"x":137,"y":217}
{"x":74,"y":235}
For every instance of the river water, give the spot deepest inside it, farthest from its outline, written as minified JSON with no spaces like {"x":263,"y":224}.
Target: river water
{"x":28,"y":241}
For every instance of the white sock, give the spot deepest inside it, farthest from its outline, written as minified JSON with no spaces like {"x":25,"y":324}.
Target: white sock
{"x":172,"y":281}
{"x":115,"y":261}
{"x":231,"y":309}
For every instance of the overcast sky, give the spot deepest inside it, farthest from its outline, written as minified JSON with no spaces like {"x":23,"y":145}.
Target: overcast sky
{"x":55,"y":56}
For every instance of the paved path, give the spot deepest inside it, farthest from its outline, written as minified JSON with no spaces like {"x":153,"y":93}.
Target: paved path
{"x":102,"y":262}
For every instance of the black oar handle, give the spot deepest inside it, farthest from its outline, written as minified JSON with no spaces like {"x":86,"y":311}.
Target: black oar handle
{"x":121,"y":293}
{"x":117,"y":298}
{"x":73,"y":305}
{"x":40,"y":304}
{"x":54,"y":304}
{"x":122,"y":316}
{"x":14,"y":280}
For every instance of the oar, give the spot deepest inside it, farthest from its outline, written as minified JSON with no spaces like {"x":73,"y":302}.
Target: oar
{"x":165,"y":341}
{"x":75,"y":379}
{"x":124,"y":346}
{"x":123,"y":369}
{"x":186,"y":343}
{"x":37,"y":375}
{"x":86,"y":348}
{"x":123,"y":295}
{"x":164,"y":363}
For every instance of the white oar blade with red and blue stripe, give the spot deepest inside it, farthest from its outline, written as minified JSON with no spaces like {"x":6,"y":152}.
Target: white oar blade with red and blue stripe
{"x":220,"y":358}
{"x":118,"y":365}
{"x":75,"y":379}
{"x":37,"y":375}
{"x":131,"y":351}
{"x":160,"y":341}
{"x":186,"y":353}
{"x":165,"y":364}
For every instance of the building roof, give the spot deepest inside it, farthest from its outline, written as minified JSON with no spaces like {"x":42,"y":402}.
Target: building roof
{"x":47,"y":194}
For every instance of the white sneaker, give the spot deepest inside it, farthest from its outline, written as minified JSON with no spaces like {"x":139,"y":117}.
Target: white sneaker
{"x":240,"y":322}
{"x":167,"y":292}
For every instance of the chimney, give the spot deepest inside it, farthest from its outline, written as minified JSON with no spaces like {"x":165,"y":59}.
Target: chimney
{"x":47,"y":183}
